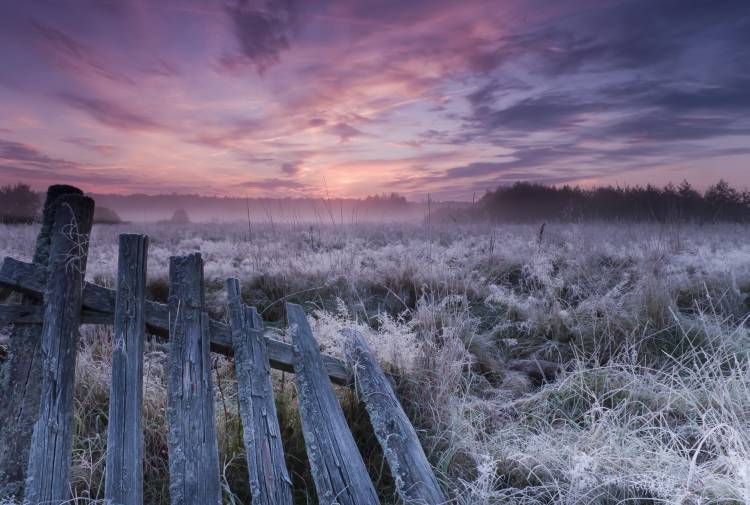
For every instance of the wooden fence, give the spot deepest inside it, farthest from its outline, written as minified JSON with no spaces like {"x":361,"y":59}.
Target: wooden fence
{"x":37,"y":410}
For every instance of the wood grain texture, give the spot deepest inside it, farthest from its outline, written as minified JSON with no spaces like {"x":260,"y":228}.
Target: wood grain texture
{"x":28,"y":278}
{"x":191,"y":438}
{"x":269,"y":479}
{"x":415,"y":480}
{"x":41,"y":251}
{"x":21,"y":375}
{"x":34,"y":315}
{"x":124,"y":469}
{"x":51,"y":443}
{"x":21,"y":314}
{"x":338,"y":470}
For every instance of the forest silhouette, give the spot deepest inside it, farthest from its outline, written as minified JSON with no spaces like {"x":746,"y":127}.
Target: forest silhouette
{"x":530,"y":202}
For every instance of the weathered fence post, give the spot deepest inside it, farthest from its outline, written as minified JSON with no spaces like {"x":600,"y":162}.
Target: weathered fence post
{"x":193,"y":454}
{"x":415,"y":481}
{"x":338,"y":470}
{"x":20,"y":382}
{"x":124,"y":470}
{"x":51,"y":443}
{"x":269,"y":479}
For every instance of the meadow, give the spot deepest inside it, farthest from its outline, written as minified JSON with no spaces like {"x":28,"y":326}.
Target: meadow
{"x":647,"y":323}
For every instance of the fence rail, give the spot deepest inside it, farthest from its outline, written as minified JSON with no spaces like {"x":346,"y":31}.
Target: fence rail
{"x":56,"y":278}
{"x":98,"y":307}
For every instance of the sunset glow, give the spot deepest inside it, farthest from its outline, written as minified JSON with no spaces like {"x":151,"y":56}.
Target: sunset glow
{"x":346,"y":98}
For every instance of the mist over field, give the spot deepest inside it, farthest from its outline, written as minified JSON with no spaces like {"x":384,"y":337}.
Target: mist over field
{"x":199,"y":208}
{"x":521,"y":202}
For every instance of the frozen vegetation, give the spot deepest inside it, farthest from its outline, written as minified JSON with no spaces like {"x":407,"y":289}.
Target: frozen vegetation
{"x":647,"y":322}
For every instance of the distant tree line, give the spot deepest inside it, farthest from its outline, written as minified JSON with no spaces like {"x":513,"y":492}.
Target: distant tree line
{"x":530,"y":202}
{"x":394,"y":200}
{"x":520,"y":202}
{"x":18,"y":203}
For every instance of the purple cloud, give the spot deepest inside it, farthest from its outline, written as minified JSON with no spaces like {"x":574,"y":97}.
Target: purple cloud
{"x":110,"y":114}
{"x":344,"y":131}
{"x":290,"y":168}
{"x":271,"y":183}
{"x":262,"y":30}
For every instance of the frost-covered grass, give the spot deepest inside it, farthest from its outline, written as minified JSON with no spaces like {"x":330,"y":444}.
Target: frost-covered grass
{"x":648,"y":322}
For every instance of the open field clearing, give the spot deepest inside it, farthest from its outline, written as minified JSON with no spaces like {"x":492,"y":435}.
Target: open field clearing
{"x":646,"y":325}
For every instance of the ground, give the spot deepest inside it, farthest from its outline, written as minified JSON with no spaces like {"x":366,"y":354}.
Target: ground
{"x":647,"y":323}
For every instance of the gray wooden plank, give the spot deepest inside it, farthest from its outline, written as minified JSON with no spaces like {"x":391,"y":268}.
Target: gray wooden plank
{"x":21,"y":377}
{"x":21,"y":314}
{"x":51,"y":443}
{"x":34,"y":315}
{"x":415,"y":480}
{"x":338,"y":470}
{"x":191,"y":438}
{"x":124,"y":468}
{"x":269,"y":479}
{"x":28,"y":278}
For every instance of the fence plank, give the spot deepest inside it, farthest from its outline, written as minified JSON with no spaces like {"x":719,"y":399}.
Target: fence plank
{"x":193,"y":455}
{"x":124,"y":469}
{"x":338,"y":470}
{"x":51,"y":442}
{"x":29,"y":279}
{"x":269,"y":479}
{"x":34,"y":314}
{"x":415,"y":481}
{"x":21,"y":314}
{"x":20,"y":386}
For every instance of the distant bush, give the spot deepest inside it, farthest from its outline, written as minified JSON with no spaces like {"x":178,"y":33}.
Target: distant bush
{"x":394,"y":200}
{"x":104,"y":215}
{"x":530,"y":202}
{"x":180,"y":216}
{"x":18,"y":204}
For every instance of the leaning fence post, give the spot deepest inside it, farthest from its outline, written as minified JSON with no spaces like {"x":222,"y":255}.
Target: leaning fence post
{"x":340,"y":475}
{"x":124,"y":470}
{"x":20,"y":386}
{"x":51,"y":443}
{"x":415,"y":481}
{"x":269,"y":479}
{"x":191,"y":439}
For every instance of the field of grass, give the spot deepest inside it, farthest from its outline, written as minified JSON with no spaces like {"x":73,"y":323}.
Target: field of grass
{"x":648,"y":324}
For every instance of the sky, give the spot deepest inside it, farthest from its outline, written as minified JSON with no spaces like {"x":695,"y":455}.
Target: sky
{"x":347,"y":98}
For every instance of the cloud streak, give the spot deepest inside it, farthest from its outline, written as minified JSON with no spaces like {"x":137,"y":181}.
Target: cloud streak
{"x":110,"y":113}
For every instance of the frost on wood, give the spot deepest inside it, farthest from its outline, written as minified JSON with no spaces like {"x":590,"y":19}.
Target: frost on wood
{"x":41,"y":252}
{"x":191,"y":437}
{"x":337,"y":467}
{"x":124,"y":468}
{"x":20,"y":384}
{"x":51,"y":443}
{"x":269,"y":479}
{"x":415,"y":481}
